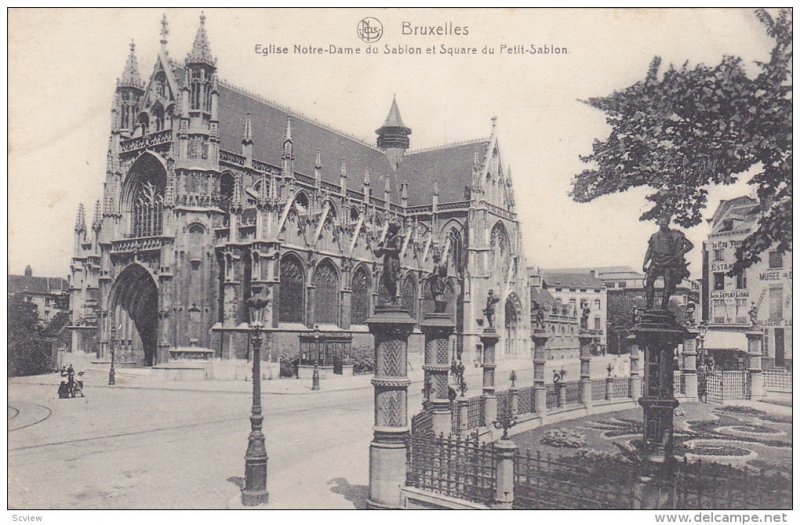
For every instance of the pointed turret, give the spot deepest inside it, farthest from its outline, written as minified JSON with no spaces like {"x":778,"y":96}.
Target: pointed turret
{"x":247,"y":138}
{"x":404,"y":193}
{"x":80,"y":219}
{"x":435,"y":196}
{"x":97,"y":220}
{"x":343,"y":177}
{"x":393,"y":136}
{"x":164,"y":32}
{"x":365,"y":187}
{"x":387,"y":191}
{"x":287,"y":157}
{"x":130,"y":75}
{"x":476,"y":172}
{"x":237,"y":199}
{"x":201,"y":51}
{"x":263,"y":192}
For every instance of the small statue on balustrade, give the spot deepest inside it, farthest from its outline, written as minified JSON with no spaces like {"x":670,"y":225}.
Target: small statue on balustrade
{"x":488,"y":312}
{"x":585,"y":310}
{"x":753,"y":314}
{"x":438,"y":283}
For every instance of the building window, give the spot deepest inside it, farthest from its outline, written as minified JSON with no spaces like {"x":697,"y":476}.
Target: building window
{"x":719,"y":254}
{"x":622,"y":284}
{"x":148,"y":204}
{"x":597,"y":304}
{"x":409,"y":293}
{"x":776,"y":303}
{"x":326,"y":296}
{"x":293,"y":291}
{"x":597,"y":323}
{"x":741,"y":280}
{"x":719,"y":281}
{"x":775,"y":260}
{"x":360,"y":297}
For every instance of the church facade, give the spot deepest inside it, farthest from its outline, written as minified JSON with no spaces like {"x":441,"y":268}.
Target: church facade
{"x":213,"y":194}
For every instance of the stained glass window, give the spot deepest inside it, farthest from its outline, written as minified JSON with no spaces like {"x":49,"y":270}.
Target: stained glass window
{"x":148,"y":204}
{"x":359,"y":299}
{"x":499,"y":251}
{"x":326,"y":283}
{"x":293,"y":291}
{"x":409,"y":293}
{"x":457,"y":249}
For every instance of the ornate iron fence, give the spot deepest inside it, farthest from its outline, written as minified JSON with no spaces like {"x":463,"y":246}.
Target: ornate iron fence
{"x":676,"y":382}
{"x":734,"y":384}
{"x":551,"y":397}
{"x":709,"y":485}
{"x":453,"y":467}
{"x":455,"y":419}
{"x":475,"y":408}
{"x":525,"y":400}
{"x":620,"y":387}
{"x":544,"y":482}
{"x":598,"y":389}
{"x":503,"y":402}
{"x":777,"y":379}
{"x":573,"y":392}
{"x":422,"y":423}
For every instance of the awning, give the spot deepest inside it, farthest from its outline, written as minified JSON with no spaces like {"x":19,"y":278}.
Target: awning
{"x":725,"y":340}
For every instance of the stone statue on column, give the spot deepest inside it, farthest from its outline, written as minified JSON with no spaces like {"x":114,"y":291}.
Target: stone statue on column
{"x":488,"y":312}
{"x":665,"y":258}
{"x":438,"y":282}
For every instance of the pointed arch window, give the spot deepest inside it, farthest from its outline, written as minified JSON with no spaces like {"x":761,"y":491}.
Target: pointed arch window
{"x":196,"y":88}
{"x":158,"y":117}
{"x":409,"y":294}
{"x":457,"y":249}
{"x":326,"y":298}
{"x":292,"y":291}
{"x":499,"y":250}
{"x":148,"y":205}
{"x":359,"y":312}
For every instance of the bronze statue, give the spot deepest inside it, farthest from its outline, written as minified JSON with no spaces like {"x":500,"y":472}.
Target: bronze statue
{"x":539,"y":321}
{"x":665,"y":258}
{"x":438,"y":282}
{"x":753,"y":314}
{"x":488,"y":312}
{"x":585,"y":315}
{"x":389,"y":249}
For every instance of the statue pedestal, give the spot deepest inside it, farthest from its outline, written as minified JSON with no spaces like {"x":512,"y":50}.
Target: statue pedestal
{"x":489,"y":340}
{"x":659,"y":334}
{"x":539,"y":360}
{"x":390,"y":326}
{"x":437,"y":329}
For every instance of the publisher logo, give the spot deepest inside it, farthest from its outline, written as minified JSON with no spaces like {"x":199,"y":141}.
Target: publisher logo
{"x":369,"y":29}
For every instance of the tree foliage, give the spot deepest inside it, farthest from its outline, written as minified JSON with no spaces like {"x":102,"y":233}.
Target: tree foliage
{"x":27,"y":353}
{"x":691,"y":127}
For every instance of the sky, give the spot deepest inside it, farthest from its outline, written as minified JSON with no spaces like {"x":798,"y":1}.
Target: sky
{"x":63,"y":65}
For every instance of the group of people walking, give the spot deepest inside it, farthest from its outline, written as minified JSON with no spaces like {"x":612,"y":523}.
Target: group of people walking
{"x":72,"y":387}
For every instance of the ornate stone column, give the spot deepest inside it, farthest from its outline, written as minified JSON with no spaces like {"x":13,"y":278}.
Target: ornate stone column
{"x":635,"y":380}
{"x":689,"y":367}
{"x":586,"y":337}
{"x":539,"y":360}
{"x":755,"y":340}
{"x":437,"y":329}
{"x":660,"y":334}
{"x":489,"y":340}
{"x":390,"y":326}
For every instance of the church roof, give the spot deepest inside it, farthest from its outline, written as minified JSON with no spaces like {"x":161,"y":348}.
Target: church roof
{"x":450,"y":166}
{"x":571,"y":280}
{"x":269,"y":126}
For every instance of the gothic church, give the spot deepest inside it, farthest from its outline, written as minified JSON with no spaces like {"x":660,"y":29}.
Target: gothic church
{"x":212,"y":193}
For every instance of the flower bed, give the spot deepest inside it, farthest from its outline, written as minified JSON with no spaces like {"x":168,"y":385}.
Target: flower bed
{"x":563,"y":438}
{"x":719,"y":450}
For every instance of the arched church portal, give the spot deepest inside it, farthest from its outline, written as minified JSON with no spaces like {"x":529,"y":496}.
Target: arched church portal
{"x":133,"y":313}
{"x":513,"y":330}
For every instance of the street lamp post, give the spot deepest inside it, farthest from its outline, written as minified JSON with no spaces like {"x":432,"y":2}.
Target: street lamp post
{"x":703,"y":330}
{"x":315,"y":374}
{"x":255,"y":459}
{"x":111,"y":372}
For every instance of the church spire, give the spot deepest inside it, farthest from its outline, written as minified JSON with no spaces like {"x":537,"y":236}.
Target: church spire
{"x":201,"y":51}
{"x":288,"y":151}
{"x":237,"y":199}
{"x":80,"y":219}
{"x":247,"y":135}
{"x":164,"y":32}
{"x":130,"y":75}
{"x":97,"y":219}
{"x":393,"y":135}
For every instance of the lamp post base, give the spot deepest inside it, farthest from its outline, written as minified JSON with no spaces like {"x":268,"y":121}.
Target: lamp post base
{"x":255,"y":471}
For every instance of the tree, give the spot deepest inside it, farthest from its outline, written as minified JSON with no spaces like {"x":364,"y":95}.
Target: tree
{"x":696,"y":126}
{"x":27,"y":353}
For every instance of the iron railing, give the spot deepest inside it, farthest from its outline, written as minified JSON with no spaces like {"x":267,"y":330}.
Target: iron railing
{"x":503,"y":403}
{"x":475,"y":406}
{"x":422,"y":423}
{"x":573,"y":392}
{"x":777,"y":379}
{"x":551,"y":397}
{"x":710,"y":485}
{"x":455,"y":418}
{"x":598,"y":389}
{"x":544,"y":482}
{"x":620,"y":388}
{"x":525,"y":400}
{"x":676,"y":382}
{"x":453,"y":467}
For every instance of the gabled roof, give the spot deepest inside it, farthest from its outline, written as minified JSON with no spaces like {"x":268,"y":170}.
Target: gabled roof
{"x":553,"y":279}
{"x":541,"y":297}
{"x":36,"y":285}
{"x":450,"y":166}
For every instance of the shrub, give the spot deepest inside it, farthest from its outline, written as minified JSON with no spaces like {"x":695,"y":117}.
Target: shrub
{"x":563,"y":438}
{"x":363,"y":359}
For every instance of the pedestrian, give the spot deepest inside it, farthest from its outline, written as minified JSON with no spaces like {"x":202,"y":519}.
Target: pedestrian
{"x":556,"y":377}
{"x":63,"y":392}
